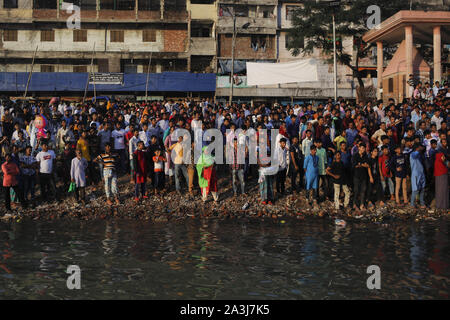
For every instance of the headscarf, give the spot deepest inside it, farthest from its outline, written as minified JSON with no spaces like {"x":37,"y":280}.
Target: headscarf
{"x":204,"y":161}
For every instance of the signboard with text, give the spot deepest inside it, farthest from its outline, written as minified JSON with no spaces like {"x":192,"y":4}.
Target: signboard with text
{"x":106,"y":78}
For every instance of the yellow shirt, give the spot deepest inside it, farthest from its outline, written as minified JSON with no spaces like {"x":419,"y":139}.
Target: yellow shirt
{"x":84,"y":147}
{"x":338,"y":140}
{"x":178,"y":147}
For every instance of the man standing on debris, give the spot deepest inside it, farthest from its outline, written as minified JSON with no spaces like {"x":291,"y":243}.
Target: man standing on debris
{"x":78,"y":175}
{"x":109,"y":162}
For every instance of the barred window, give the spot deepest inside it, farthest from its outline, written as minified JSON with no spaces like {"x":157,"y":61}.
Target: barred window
{"x":47,"y":68}
{"x":149,"y":35}
{"x":9,"y":35}
{"x":79,"y":35}
{"x":116,"y":35}
{"x":80,"y":69}
{"x":47,"y":35}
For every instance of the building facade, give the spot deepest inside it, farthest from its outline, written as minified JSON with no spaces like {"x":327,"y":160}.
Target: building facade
{"x":168,"y":36}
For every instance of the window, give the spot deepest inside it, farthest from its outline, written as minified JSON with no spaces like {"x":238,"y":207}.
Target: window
{"x":259,"y":43}
{"x":266,"y":11}
{"x":47,"y":68}
{"x":45,"y":4}
{"x":391,"y":85}
{"x":79,"y":35}
{"x":125,"y":4}
{"x":47,"y":35}
{"x":9,"y":35}
{"x":149,"y":35}
{"x":116,"y":35}
{"x":287,"y":41}
{"x":174,"y":5}
{"x":80,"y":69}
{"x":85,"y":4}
{"x":290,"y":12}
{"x":149,"y":5}
{"x":200,"y":31}
{"x":10,"y":4}
{"x":117,"y":4}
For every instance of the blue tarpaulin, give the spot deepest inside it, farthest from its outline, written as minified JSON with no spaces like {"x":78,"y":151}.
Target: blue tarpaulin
{"x":67,"y":81}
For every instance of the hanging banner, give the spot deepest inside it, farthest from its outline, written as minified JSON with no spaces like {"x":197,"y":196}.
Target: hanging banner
{"x":278,"y":73}
{"x":106,"y":78}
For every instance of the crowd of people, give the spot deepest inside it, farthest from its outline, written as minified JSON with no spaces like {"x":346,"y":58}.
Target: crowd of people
{"x":365,"y":153}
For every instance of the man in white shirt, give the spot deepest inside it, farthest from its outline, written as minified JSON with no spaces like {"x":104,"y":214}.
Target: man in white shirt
{"x":283,"y":162}
{"x":15,"y":135}
{"x":118,"y":135}
{"x":132,"y":147}
{"x":45,"y":160}
{"x":436,"y":89}
{"x":143,"y":135}
{"x":437,"y":119}
{"x":196,"y":122}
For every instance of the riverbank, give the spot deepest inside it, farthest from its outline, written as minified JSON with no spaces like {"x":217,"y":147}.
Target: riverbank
{"x":174,"y":207}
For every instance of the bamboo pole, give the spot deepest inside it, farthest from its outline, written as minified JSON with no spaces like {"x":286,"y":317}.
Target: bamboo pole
{"x":148,"y":75}
{"x":89,"y":75}
{"x":31,"y":72}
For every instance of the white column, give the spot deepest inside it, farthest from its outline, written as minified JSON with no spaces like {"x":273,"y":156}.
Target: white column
{"x":379,"y":68}
{"x":437,"y":53}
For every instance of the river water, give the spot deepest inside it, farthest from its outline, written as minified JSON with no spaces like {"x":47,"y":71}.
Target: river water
{"x":309,"y":259}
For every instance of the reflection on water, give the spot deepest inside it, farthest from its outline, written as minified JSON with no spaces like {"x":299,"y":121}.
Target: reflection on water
{"x":311,"y":259}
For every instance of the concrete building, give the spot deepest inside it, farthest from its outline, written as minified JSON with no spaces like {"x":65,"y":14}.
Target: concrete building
{"x":269,"y":24}
{"x":176,"y":35}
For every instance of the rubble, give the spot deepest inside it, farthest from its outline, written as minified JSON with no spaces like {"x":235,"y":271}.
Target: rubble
{"x":171,"y":207}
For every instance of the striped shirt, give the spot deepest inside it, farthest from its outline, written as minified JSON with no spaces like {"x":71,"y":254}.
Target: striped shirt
{"x":108,"y":160}
{"x":159,"y":163}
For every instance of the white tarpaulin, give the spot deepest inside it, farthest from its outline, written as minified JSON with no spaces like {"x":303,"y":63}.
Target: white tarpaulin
{"x":277,"y":73}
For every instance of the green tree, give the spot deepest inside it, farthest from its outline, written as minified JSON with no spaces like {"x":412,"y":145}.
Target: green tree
{"x":312,"y":22}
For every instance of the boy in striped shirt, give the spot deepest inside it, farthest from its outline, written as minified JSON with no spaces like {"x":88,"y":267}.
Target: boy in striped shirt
{"x":158,"y":168}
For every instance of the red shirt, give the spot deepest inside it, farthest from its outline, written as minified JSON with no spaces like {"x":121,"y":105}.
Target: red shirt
{"x":383,"y":161}
{"x":439,"y":166}
{"x":10,"y":172}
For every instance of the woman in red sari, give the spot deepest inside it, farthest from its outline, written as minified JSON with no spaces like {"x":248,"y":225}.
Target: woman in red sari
{"x":207,"y":178}
{"x":140,"y":171}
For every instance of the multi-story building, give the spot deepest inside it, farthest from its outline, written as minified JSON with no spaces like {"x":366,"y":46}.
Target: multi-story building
{"x":189,"y":37}
{"x":125,"y":36}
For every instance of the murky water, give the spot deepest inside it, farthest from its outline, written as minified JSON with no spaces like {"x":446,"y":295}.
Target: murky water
{"x":310,"y":259}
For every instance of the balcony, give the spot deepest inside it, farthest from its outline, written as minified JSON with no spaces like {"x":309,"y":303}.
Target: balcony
{"x":257,"y":25}
{"x":203,"y":46}
{"x":106,"y":15}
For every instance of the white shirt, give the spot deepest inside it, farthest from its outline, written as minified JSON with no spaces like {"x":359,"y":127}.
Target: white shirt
{"x":15,"y":135}
{"x":143,"y":136}
{"x":132,"y":146}
{"x":196,"y":124}
{"x":45,"y":160}
{"x":283,"y":158}
{"x":119,"y":139}
{"x":437,"y":121}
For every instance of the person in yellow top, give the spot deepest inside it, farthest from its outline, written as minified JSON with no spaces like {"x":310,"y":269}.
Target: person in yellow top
{"x":83,"y":145}
{"x":339,"y":139}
